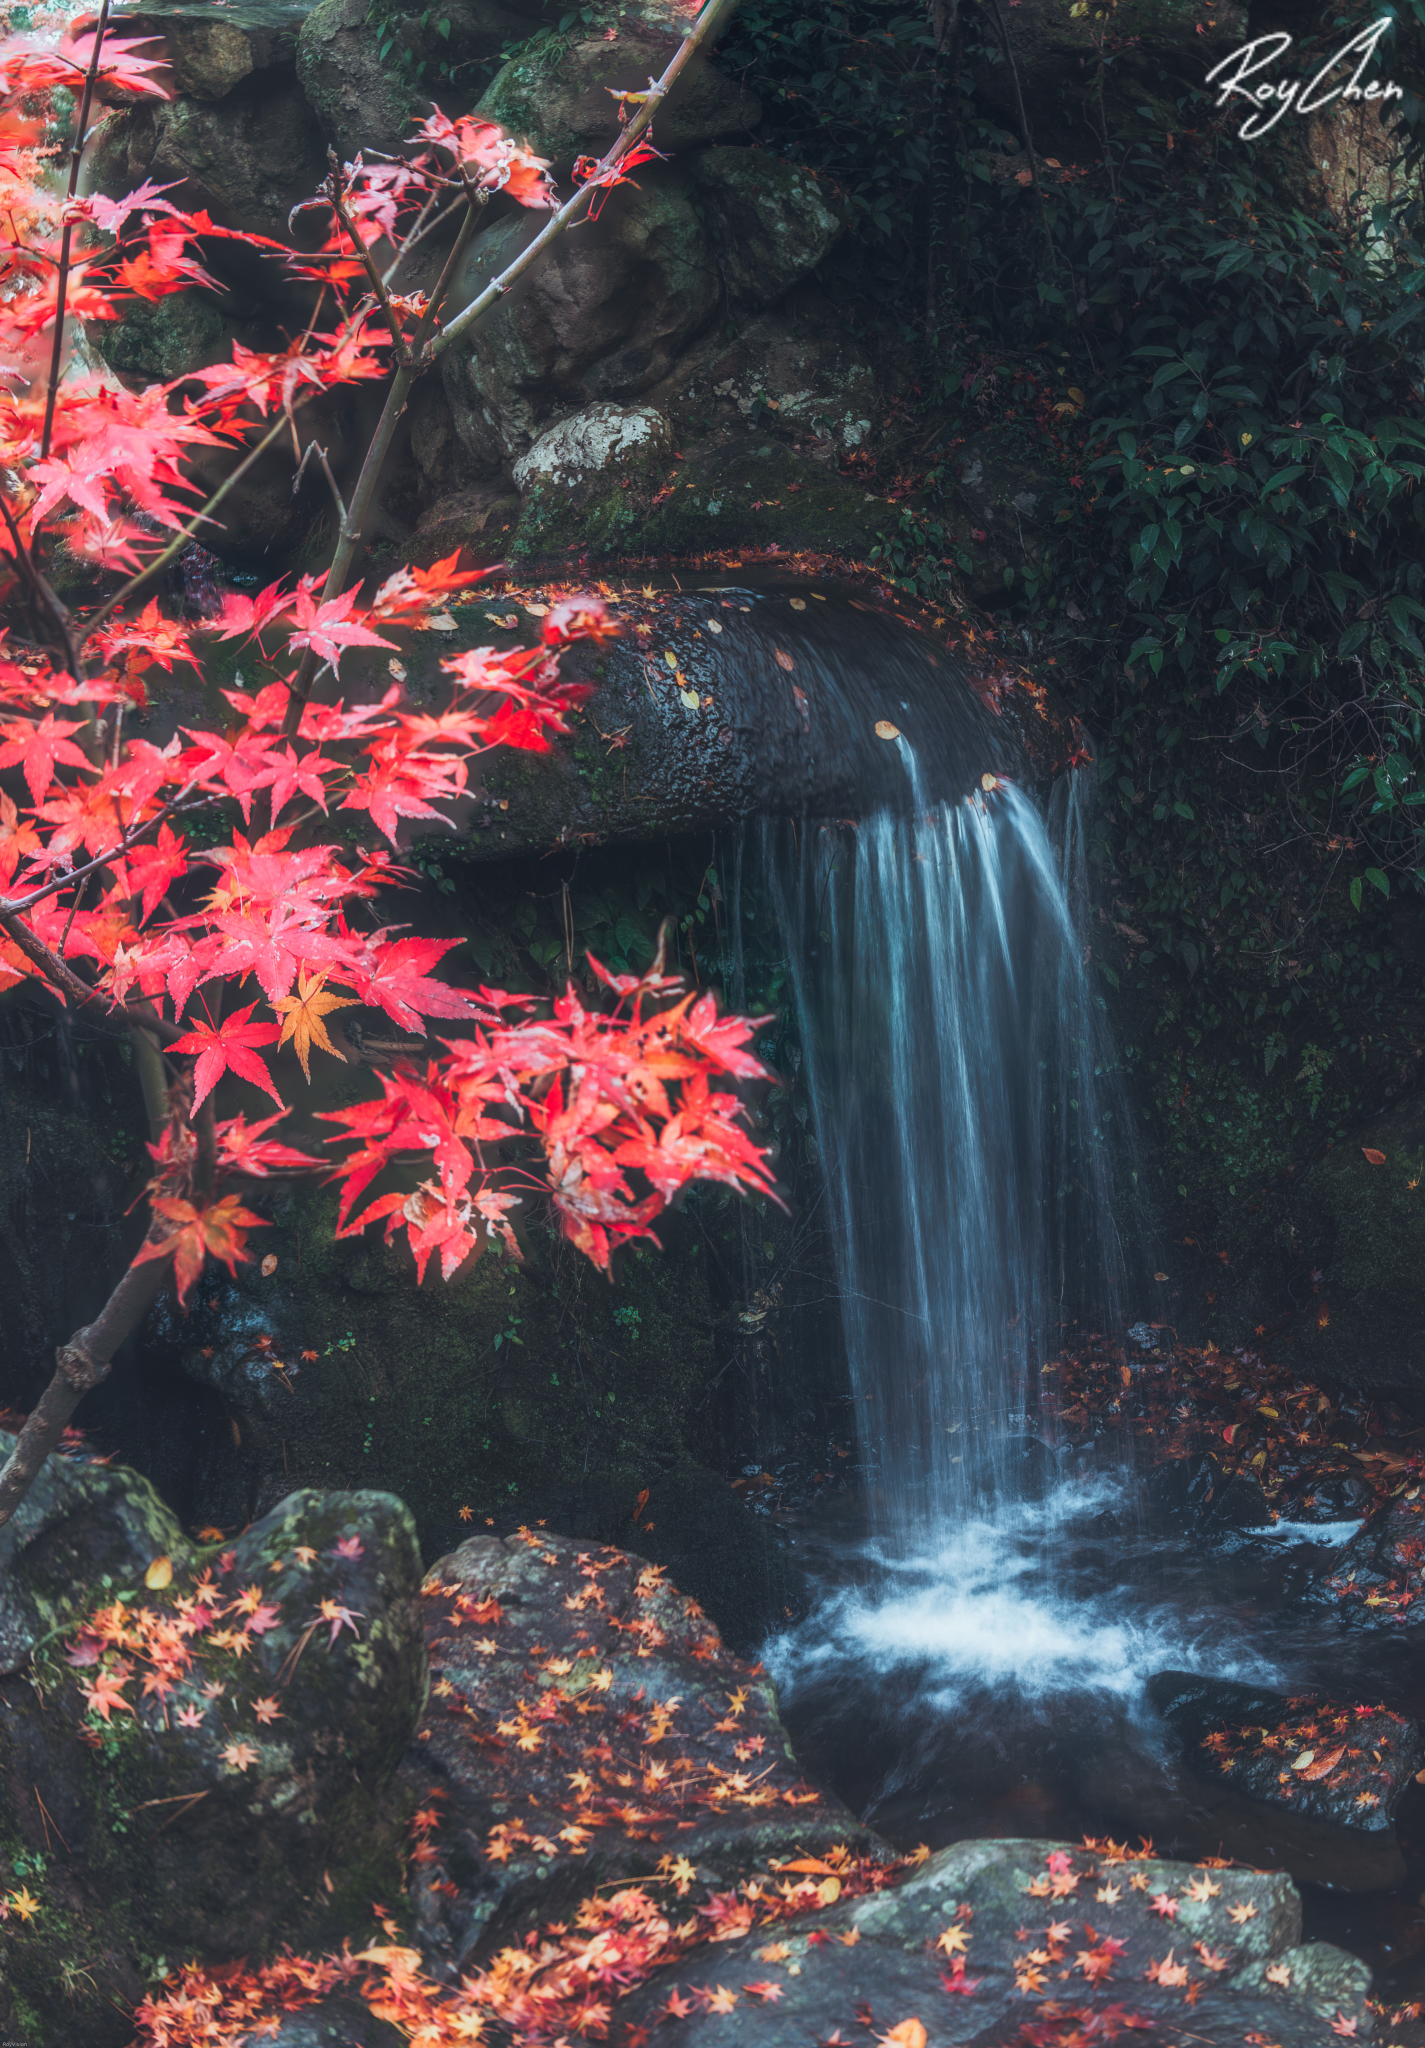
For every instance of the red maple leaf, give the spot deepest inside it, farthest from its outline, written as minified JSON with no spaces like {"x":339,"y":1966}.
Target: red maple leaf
{"x":228,"y":1045}
{"x":39,"y":747}
{"x":221,"y":1228}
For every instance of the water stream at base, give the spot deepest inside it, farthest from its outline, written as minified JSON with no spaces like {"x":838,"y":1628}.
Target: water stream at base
{"x":990,"y":1609}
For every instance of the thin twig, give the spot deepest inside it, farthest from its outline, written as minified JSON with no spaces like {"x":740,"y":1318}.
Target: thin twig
{"x":200,"y":518}
{"x":76,"y":155}
{"x":367,"y":259}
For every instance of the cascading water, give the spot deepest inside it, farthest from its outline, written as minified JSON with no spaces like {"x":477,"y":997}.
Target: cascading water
{"x":986,"y":1621}
{"x":956,"y":1061}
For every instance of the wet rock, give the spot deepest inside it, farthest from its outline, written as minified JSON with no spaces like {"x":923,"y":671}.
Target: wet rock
{"x":248,"y":157}
{"x":604,"y":441}
{"x":1379,"y":1576}
{"x":771,"y":222}
{"x":990,"y":1940}
{"x":336,"y":2023}
{"x":210,"y":55}
{"x":359,"y":63}
{"x":586,"y":1726}
{"x":165,"y":340}
{"x":1334,"y":1774}
{"x":561,"y":98}
{"x":215,"y":1768}
{"x":603,"y":317}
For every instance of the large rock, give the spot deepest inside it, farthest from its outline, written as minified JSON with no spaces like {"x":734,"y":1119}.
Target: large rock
{"x":1378,"y":1579}
{"x":210,"y":53}
{"x":761,"y":700}
{"x":562,"y":98}
{"x":586,"y":1726}
{"x":603,"y":317}
{"x":247,"y":157}
{"x":1011,"y":1941}
{"x":1334,"y":1773}
{"x":366,"y":67}
{"x":192,"y":1754}
{"x":606,"y":441}
{"x":771,"y":222}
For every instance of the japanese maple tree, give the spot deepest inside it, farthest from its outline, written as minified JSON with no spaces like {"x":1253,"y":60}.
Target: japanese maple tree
{"x":212,"y":955}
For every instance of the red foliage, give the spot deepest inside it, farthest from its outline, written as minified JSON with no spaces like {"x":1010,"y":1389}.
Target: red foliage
{"x":110,"y":899}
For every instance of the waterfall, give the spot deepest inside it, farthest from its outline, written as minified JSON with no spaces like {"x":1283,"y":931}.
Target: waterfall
{"x":957,"y":1065}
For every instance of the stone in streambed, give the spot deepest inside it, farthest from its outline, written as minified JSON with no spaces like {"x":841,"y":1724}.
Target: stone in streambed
{"x":1379,"y":1576}
{"x":1333,"y":1774}
{"x":586,"y":1725}
{"x":989,"y":1942}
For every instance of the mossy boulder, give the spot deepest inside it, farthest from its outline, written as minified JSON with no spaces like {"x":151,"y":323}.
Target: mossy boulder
{"x":192,"y":1758}
{"x":603,"y":317}
{"x":741,"y":491}
{"x":771,"y":222}
{"x":561,"y":97}
{"x":608,"y":1670}
{"x":166,"y":340}
{"x":888,"y":1956}
{"x":248,"y":157}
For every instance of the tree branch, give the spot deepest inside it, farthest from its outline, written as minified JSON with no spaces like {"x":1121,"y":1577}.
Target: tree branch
{"x":79,"y":1365}
{"x":714,"y":17}
{"x":76,"y":155}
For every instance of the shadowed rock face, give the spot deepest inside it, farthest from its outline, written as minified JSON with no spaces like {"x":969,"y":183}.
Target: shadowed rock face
{"x":738,"y":701}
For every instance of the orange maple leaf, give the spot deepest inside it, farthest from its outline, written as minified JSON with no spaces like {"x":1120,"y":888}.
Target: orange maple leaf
{"x":220,"y":1229}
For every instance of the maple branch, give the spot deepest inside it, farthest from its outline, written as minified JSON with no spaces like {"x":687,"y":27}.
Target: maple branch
{"x":76,"y":155}
{"x":713,"y":19}
{"x":50,"y":599}
{"x":378,"y":283}
{"x":55,"y":970}
{"x":80,"y":1365}
{"x":19,"y":904}
{"x":709,"y":24}
{"x":476,"y":201}
{"x":186,"y":533}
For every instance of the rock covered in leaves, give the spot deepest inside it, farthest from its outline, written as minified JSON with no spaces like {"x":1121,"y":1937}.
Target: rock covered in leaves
{"x":1018,"y":1942}
{"x":1345,"y":1765}
{"x":196,"y":1747}
{"x":587,"y":1726}
{"x":1379,"y":1576}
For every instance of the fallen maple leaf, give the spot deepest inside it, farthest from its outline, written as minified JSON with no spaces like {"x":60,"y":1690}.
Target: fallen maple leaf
{"x":908,"y":2034}
{"x":1168,"y":1972}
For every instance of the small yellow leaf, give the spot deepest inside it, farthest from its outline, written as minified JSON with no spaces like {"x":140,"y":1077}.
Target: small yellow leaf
{"x":670,"y":657}
{"x":269,"y":1265}
{"x":689,"y":699}
{"x":886,"y":731}
{"x":799,"y":604}
{"x":829,"y":1890}
{"x":1077,"y":395}
{"x":159,"y":1574}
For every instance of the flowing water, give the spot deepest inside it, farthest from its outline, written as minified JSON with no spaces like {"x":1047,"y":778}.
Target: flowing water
{"x":990,"y":1609}
{"x":958,"y":1071}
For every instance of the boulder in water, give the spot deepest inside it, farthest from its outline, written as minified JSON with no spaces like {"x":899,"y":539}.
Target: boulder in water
{"x":1334,"y":1773}
{"x":1379,"y":1576}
